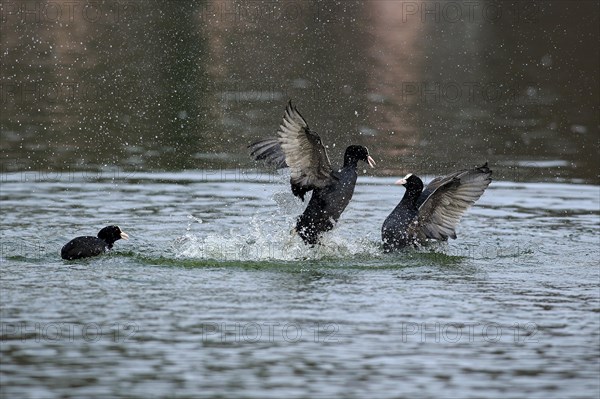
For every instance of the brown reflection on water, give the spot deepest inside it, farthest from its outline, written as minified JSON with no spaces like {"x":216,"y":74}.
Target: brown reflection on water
{"x":150,"y":86}
{"x":397,"y":60}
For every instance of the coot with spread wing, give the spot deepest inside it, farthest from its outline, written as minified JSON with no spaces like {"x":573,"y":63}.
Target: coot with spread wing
{"x":300,"y":148}
{"x":433,"y":212}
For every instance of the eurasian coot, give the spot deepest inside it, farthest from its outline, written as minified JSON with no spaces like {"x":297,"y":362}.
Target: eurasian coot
{"x":433,"y":213}
{"x":300,"y":148}
{"x":86,"y":246}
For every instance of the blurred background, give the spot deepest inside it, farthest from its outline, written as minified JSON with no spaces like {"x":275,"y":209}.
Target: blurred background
{"x":138,"y":113}
{"x":427,"y":86}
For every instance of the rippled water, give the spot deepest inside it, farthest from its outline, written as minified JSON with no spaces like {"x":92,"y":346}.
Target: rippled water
{"x":213,"y":296}
{"x":139,"y":114}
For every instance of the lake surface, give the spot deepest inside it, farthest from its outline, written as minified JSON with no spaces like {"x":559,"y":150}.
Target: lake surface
{"x":212,"y":295}
{"x":139,"y":114}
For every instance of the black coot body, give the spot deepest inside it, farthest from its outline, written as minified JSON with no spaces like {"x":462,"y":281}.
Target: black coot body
{"x":300,"y":148}
{"x":327,"y":204}
{"x":87,"y":246}
{"x":396,"y":230}
{"x":433,"y":212}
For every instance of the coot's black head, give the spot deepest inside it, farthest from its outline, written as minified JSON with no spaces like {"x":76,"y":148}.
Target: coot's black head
{"x":412,"y":183}
{"x":110,"y":234}
{"x":355,"y":153}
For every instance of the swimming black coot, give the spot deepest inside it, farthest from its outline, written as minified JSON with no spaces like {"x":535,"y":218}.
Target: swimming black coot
{"x":433,"y":213}
{"x":86,"y":246}
{"x":300,"y":148}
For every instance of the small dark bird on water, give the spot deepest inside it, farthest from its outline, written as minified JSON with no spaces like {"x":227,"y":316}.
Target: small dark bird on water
{"x":433,"y":213}
{"x":86,"y":246}
{"x":300,"y":148}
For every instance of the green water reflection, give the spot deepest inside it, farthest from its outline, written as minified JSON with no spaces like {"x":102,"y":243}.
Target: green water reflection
{"x":186,"y":85}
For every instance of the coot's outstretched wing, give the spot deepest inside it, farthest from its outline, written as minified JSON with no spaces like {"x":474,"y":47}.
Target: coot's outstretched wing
{"x":269,"y":151}
{"x":445,"y":200}
{"x":300,"y":149}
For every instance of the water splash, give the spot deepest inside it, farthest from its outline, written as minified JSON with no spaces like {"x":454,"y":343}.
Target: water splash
{"x":271,"y":237}
{"x":193,"y":219}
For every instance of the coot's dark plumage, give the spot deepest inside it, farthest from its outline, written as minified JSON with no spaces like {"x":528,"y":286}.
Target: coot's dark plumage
{"x":300,"y":148}
{"x":86,"y":246}
{"x":433,"y":213}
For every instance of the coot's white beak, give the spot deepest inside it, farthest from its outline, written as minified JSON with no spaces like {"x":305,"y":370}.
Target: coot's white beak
{"x":371,"y":161}
{"x":402,"y":181}
{"x":124,"y":235}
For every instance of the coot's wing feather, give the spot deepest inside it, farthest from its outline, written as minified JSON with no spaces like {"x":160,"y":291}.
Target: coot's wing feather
{"x":434,"y":185}
{"x":269,"y":151}
{"x":445,"y":200}
{"x":298,"y":148}
{"x":304,"y":153}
